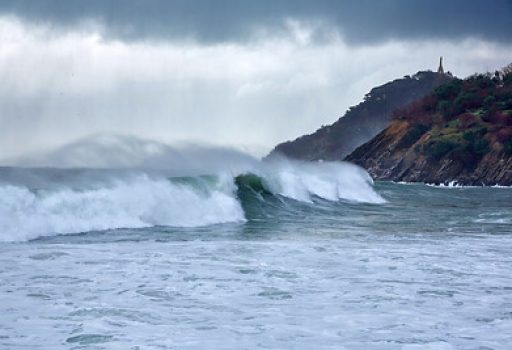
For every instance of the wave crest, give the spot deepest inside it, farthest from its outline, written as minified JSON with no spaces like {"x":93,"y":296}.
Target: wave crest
{"x":120,"y":201}
{"x":142,"y":202}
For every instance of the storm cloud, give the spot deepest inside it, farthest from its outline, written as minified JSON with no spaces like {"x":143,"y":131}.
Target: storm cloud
{"x":358,"y":22}
{"x":247,"y":74}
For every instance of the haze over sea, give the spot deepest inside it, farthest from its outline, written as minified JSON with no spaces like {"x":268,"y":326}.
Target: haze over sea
{"x":252,"y":255}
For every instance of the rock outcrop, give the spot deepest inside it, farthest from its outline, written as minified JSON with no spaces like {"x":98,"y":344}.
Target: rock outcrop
{"x":386,"y":158}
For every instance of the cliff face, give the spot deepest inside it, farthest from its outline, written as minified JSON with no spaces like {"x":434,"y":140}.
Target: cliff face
{"x":461,"y":133}
{"x":362,"y":122}
{"x":386,"y":158}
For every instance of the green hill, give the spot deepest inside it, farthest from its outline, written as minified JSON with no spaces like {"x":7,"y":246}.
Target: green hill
{"x":362,"y":122}
{"x":462,"y":132}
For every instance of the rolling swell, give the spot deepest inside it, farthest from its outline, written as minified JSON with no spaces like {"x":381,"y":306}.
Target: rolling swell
{"x":68,"y":203}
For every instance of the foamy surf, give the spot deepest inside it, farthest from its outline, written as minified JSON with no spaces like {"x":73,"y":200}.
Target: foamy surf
{"x":62,"y":201}
{"x":141,"y":202}
{"x":331,"y":181}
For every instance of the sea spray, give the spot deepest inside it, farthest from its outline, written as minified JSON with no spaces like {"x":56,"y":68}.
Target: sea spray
{"x":106,"y":151}
{"x":151,"y":184}
{"x":142,"y":202}
{"x":331,"y":181}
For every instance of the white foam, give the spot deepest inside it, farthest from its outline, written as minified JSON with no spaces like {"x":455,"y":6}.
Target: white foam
{"x":451,"y":184}
{"x":332,"y":181}
{"x":140,"y":202}
{"x":85,"y":201}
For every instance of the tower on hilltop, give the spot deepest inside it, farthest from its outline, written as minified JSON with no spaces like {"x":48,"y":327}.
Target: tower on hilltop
{"x":440,"y":70}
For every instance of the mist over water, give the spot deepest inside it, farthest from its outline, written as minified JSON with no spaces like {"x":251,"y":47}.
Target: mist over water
{"x":108,"y":151}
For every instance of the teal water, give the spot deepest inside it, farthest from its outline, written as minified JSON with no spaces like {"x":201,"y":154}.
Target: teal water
{"x":405,"y":267}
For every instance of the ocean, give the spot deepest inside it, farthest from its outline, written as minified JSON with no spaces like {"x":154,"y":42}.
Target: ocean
{"x":284,"y":255}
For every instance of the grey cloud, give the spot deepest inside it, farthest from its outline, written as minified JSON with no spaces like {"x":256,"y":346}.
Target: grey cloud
{"x":360,"y":22}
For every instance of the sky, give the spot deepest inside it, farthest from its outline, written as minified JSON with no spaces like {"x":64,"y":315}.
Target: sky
{"x":245,"y":74}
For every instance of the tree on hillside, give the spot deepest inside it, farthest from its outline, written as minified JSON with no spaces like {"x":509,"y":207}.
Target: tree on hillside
{"x":506,"y":73}
{"x":507,"y":69}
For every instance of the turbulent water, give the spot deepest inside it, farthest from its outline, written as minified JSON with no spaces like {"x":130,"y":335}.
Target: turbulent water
{"x":279,"y":255}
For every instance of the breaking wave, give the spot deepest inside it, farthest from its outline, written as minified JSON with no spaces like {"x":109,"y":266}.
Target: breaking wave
{"x":39,"y":202}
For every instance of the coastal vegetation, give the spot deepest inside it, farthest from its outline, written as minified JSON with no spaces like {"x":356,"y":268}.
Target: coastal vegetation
{"x":462,"y":132}
{"x":463,"y":117}
{"x":362,"y":122}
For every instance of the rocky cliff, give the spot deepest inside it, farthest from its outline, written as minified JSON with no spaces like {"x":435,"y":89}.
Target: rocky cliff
{"x":362,"y":122}
{"x":461,"y":133}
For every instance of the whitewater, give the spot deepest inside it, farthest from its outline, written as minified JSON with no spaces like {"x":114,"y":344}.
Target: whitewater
{"x":249,"y":254}
{"x":41,"y":202}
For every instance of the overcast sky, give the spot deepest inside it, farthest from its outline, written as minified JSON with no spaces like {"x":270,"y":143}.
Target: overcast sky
{"x":243,"y":73}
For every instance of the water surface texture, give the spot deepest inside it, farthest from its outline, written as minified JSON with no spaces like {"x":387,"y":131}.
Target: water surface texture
{"x":295,"y":257}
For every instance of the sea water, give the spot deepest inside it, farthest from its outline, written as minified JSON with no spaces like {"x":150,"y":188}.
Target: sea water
{"x":288,"y":256}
